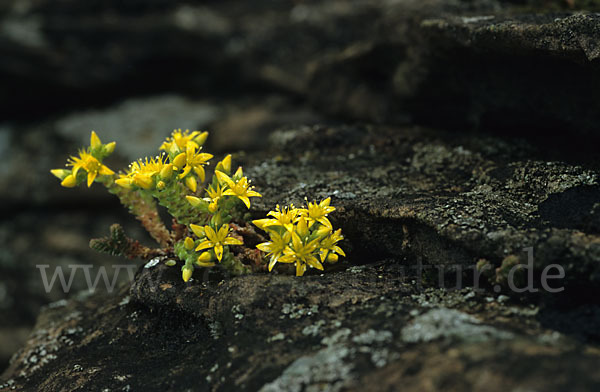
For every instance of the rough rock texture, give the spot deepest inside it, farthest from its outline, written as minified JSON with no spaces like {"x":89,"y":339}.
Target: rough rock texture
{"x":412,"y":203}
{"x":360,"y":328}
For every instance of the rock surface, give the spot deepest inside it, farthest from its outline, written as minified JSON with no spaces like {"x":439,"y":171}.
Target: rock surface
{"x":412,"y":203}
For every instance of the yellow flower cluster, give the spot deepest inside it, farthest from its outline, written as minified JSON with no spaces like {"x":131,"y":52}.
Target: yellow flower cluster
{"x":183,"y":155}
{"x":215,"y":237}
{"x":301,"y":236}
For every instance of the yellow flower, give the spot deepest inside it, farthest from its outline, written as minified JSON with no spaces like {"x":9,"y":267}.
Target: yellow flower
{"x":192,"y":159}
{"x":318,"y":212}
{"x":179,"y":139}
{"x":240,"y":189}
{"x":275,"y":247}
{"x":214,"y":194}
{"x":302,"y":254}
{"x":217,"y":239}
{"x":91,"y":165}
{"x":286,"y":217}
{"x":141,"y":173}
{"x":329,"y":245}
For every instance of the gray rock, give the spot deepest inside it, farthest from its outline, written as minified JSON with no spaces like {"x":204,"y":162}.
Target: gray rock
{"x":449,"y":324}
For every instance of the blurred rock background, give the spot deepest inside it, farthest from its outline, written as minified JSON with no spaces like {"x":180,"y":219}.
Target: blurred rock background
{"x":134,"y":70}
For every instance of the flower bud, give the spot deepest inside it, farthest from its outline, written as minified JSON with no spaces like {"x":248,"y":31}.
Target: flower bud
{"x":186,"y":273}
{"x":124,"y":182}
{"x":201,"y":139}
{"x":109,"y":147}
{"x":194,"y":201}
{"x":204,"y":259}
{"x":188,"y":243}
{"x":95,"y":140}
{"x":224,"y":165}
{"x":167,"y":171}
{"x":191,"y":183}
{"x":143,"y":181}
{"x":180,"y":160}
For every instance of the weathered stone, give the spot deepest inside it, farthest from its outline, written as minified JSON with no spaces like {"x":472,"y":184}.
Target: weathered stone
{"x":165,"y":334}
{"x":405,"y":198}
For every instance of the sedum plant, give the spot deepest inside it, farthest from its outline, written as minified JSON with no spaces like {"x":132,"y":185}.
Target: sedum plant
{"x":209,"y":218}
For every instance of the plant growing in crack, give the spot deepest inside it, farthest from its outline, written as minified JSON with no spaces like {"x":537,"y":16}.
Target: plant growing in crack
{"x":209,"y":226}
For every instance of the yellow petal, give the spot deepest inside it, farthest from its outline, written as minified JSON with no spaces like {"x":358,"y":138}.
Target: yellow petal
{"x":313,"y":262}
{"x":204,"y":245}
{"x":224,"y":179}
{"x":191,"y":147}
{"x":205,"y":264}
{"x":90,"y":178}
{"x":198,"y":230}
{"x":252,"y":193}
{"x":199,"y":170}
{"x":210,"y":233}
{"x":232,"y":241}
{"x":60,"y":173}
{"x":302,"y":228}
{"x":265,"y":246}
{"x":339,"y":250}
{"x":332,"y":258}
{"x":105,"y":171}
{"x":69,"y":182}
{"x":263,"y":223}
{"x":272,"y":263}
{"x":300,"y":268}
{"x":219,"y":252}
{"x":296,"y":241}
{"x":245,"y":200}
{"x":229,"y":192}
